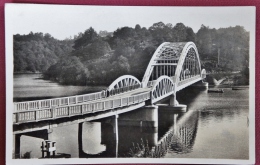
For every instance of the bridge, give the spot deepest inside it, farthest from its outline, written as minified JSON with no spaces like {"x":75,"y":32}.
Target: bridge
{"x":173,"y":67}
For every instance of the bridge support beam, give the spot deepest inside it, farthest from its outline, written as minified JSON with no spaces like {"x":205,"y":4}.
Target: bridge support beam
{"x":174,"y":106}
{"x":115,"y":128}
{"x":144,"y":117}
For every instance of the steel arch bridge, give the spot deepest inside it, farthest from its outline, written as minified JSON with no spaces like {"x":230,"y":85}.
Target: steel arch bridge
{"x":180,"y":61}
{"x":173,"y":66}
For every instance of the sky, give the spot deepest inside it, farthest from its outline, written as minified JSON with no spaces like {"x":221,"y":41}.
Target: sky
{"x":64,"y":21}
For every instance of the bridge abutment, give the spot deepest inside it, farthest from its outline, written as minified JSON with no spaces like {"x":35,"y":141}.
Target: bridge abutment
{"x":144,"y":117}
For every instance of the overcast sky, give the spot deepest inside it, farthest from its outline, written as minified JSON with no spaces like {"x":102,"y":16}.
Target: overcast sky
{"x":63,"y":21}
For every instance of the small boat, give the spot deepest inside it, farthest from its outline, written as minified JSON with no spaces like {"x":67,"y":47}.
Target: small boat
{"x":215,"y":91}
{"x":239,"y":87}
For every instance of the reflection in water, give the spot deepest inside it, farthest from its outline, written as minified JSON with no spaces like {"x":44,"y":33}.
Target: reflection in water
{"x":137,"y":139}
{"x":89,"y":140}
{"x":184,"y":133}
{"x":92,"y":138}
{"x":222,"y":130}
{"x":179,"y":138}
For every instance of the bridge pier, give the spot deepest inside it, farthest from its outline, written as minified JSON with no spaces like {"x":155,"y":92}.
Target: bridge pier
{"x":115,"y":127}
{"x":17,"y":145}
{"x":110,"y":136}
{"x":112,"y":121}
{"x":173,"y":106}
{"x":144,"y":117}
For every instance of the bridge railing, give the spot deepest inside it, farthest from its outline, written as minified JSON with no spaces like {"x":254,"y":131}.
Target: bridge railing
{"x":116,"y":91}
{"x":48,"y":103}
{"x":55,"y":112}
{"x":182,"y":82}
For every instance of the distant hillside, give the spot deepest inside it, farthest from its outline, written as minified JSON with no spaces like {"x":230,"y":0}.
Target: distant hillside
{"x":36,"y":52}
{"x":92,"y":58}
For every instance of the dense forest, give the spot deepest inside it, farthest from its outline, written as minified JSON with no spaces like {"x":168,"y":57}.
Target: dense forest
{"x":99,"y":58}
{"x":36,"y":52}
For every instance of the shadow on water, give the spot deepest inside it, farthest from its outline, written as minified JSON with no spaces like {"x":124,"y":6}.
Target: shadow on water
{"x":188,"y":95}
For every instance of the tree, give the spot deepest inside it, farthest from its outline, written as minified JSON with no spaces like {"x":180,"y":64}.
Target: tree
{"x":179,"y":32}
{"x":68,"y":70}
{"x":161,"y":33}
{"x":47,"y":36}
{"x":36,"y":52}
{"x":190,"y":35}
{"x":124,"y":33}
{"x":120,"y":67}
{"x":205,"y":42}
{"x":93,"y":50}
{"x":137,"y":28}
{"x":89,"y":36}
{"x":156,"y":26}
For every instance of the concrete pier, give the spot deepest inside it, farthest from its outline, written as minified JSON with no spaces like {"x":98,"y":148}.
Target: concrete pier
{"x":144,"y":117}
{"x":17,"y":145}
{"x":115,"y":128}
{"x":173,"y":106}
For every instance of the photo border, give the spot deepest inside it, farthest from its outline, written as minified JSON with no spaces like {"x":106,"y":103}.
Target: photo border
{"x":9,"y":101}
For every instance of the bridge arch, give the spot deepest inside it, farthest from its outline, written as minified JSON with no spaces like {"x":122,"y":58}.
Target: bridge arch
{"x":189,"y":67}
{"x":123,"y":83}
{"x":163,"y":87}
{"x":180,"y":61}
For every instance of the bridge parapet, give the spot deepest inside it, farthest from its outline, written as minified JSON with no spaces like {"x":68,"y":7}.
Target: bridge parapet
{"x":69,"y":110}
{"x":189,"y":80}
{"x":48,"y":103}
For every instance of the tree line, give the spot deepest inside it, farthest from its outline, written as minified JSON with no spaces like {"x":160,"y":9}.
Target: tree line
{"x":92,"y":58}
{"x":36,"y":52}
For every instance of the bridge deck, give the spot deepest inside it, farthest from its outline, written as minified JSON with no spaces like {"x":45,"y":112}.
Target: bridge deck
{"x":115,"y":101}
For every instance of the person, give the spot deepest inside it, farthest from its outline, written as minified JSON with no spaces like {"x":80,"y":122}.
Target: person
{"x":107,"y":93}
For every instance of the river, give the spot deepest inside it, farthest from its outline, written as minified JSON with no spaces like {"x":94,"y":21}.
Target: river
{"x":215,"y":126}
